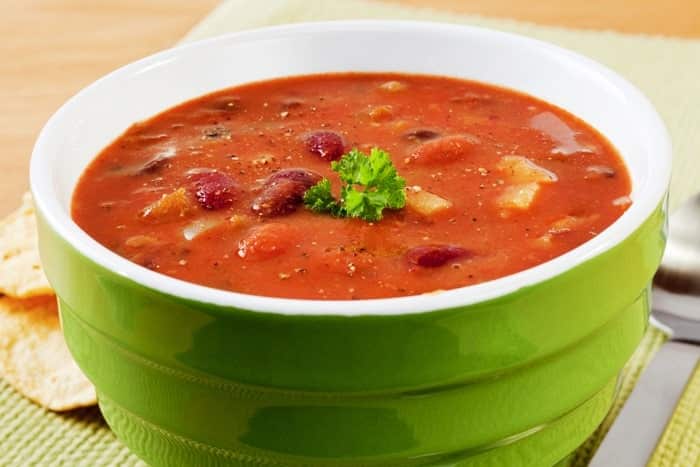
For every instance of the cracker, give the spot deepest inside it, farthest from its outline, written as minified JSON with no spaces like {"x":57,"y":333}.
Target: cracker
{"x":21,"y":274}
{"x":34,"y":358}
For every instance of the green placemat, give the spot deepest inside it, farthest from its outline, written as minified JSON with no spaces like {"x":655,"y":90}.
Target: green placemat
{"x":665,"y":69}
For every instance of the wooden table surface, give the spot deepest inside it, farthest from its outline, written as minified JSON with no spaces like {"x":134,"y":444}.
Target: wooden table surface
{"x":52,"y":48}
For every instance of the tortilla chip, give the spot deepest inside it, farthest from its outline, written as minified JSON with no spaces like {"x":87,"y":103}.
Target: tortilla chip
{"x":34,"y":358}
{"x":21,"y":274}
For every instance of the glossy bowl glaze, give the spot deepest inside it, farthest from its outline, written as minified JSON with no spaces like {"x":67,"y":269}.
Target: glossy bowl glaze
{"x":517,"y":371}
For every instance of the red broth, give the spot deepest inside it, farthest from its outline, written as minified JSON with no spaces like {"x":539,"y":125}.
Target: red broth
{"x":497,"y":182}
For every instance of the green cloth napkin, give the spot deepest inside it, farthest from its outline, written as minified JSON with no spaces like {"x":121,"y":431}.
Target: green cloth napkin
{"x":665,"y":69}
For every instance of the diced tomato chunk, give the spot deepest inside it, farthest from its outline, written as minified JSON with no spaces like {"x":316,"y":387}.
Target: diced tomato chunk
{"x":267,"y":241}
{"x":443,"y":150}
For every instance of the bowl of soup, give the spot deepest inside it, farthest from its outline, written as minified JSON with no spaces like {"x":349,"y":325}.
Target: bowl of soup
{"x":354,"y":243}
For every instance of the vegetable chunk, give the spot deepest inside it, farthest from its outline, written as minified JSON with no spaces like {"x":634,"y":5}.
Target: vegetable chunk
{"x":443,"y":150}
{"x":426,"y":203}
{"x":267,"y":241}
{"x":522,"y":170}
{"x":518,"y":196}
{"x":169,"y":207}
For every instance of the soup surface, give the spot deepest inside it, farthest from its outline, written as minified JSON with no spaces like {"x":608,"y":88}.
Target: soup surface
{"x":212,"y":191}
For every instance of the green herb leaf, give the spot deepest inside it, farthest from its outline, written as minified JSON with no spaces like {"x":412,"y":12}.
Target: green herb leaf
{"x":319,"y":198}
{"x":370,"y":185}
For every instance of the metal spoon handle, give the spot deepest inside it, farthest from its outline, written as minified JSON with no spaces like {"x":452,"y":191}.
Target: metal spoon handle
{"x":641,"y":422}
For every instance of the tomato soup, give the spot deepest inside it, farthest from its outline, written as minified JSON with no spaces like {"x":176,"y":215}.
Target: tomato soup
{"x":216,"y":191}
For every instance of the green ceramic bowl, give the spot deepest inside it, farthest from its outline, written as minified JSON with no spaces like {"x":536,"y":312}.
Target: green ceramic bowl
{"x":513,"y":372}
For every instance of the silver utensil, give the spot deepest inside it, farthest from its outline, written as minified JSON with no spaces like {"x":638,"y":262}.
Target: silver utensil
{"x":675,"y":308}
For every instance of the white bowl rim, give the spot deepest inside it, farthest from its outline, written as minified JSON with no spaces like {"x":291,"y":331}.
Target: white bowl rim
{"x":62,"y":224}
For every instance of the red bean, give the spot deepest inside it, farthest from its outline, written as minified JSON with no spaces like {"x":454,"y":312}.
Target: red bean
{"x":306,"y":177}
{"x":433,"y":256}
{"x":326,"y":144}
{"x":283,"y":192}
{"x":214,"y":190}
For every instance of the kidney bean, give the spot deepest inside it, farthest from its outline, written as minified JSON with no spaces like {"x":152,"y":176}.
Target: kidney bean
{"x":326,"y":144}
{"x":303,"y":176}
{"x":433,"y":256}
{"x":214,"y":190}
{"x":283,"y":192}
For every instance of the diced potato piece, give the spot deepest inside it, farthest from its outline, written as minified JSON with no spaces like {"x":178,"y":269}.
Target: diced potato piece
{"x":522,"y":170}
{"x":425,"y":202}
{"x":169,"y":207}
{"x":202,"y":225}
{"x":198,"y":227}
{"x":392,"y":86}
{"x":381,"y":113}
{"x":518,"y":196}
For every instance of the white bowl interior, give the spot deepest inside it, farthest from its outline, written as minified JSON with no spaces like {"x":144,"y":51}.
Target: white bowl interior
{"x":101,"y":112}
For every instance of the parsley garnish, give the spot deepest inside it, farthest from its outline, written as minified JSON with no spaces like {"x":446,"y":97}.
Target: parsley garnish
{"x":369,"y":185}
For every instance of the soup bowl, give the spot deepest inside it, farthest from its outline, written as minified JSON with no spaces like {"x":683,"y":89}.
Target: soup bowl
{"x":517,"y":371}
